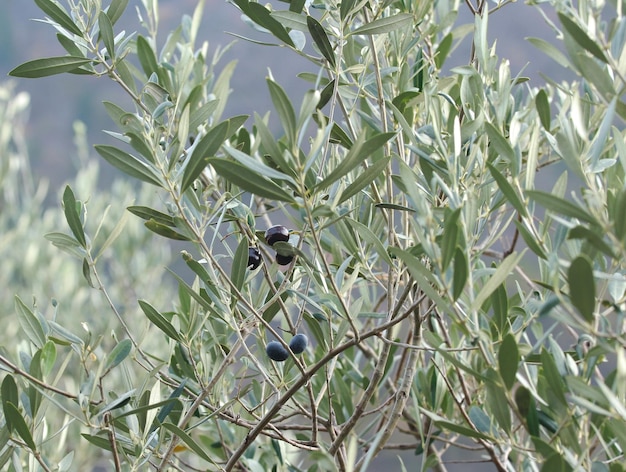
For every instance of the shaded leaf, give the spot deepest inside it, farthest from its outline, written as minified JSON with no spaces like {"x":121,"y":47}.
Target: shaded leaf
{"x":385,"y":25}
{"x":481,"y":420}
{"x":530,"y":240}
{"x":106,"y":32}
{"x":9,"y":394}
{"x":284,"y":109}
{"x":146,"y":56}
{"x":248,"y":180}
{"x":18,"y":424}
{"x":165,"y":230}
{"x":364,"y":179}
{"x":560,"y":206}
{"x":501,"y":144}
{"x":497,"y":403}
{"x":188,"y":440}
{"x":450,"y":237}
{"x":543,"y":109}
{"x":72,"y":216}
{"x":207,"y":147}
{"x":48,"y":66}
{"x":240,"y":263}
{"x":508,"y":360}
{"x":118,"y":354}
{"x":321,"y":39}
{"x":359,"y":151}
{"x":30,"y":323}
{"x":507,"y":190}
{"x":48,"y":357}
{"x":147,"y":213}
{"x":582,"y":287}
{"x":461,"y":273}
{"x":58,"y":14}
{"x":128,"y":164}
{"x":593,"y":238}
{"x":116,"y":9}
{"x":499,"y":276}
{"x":159,"y":320}
{"x":581,"y":37}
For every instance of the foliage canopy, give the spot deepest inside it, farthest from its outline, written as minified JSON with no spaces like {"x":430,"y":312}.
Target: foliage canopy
{"x":455,"y":252}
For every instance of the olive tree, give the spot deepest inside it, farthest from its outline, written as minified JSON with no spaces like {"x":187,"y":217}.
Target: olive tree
{"x":414,"y":255}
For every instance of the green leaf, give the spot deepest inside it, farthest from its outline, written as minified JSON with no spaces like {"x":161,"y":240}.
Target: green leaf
{"x":385,"y":25}
{"x":554,"y":380}
{"x":146,"y":56}
{"x":9,"y":394}
{"x":561,"y":206}
{"x":18,"y":423}
{"x":359,"y":151}
{"x":262,"y":17}
{"x":462,"y":430}
{"x":582,"y":290}
{"x":369,"y":237}
{"x":551,"y":51}
{"x":188,"y":440}
{"x":207,"y":147}
{"x":128,"y":164}
{"x":508,"y":360}
{"x":593,"y":238}
{"x":321,"y":39}
{"x":48,"y":357}
{"x":364,"y":179}
{"x":30,"y":323}
{"x":501,"y":144}
{"x":461,"y":273}
{"x":116,"y":9}
{"x":507,"y":190}
{"x":543,"y":109}
{"x":72,"y":216}
{"x":146,"y":213}
{"x":248,"y":180}
{"x":48,"y":66}
{"x":257,"y":166}
{"x":581,"y":37}
{"x":501,"y":273}
{"x":481,"y":420}
{"x":58,"y":14}
{"x":165,"y":230}
{"x":284,"y":109}
{"x":159,"y":320}
{"x":529,"y":239}
{"x":449,"y":238}
{"x":497,"y":403}
{"x":106,"y":31}
{"x":118,"y":354}
{"x":240,"y":263}
{"x":500,"y":304}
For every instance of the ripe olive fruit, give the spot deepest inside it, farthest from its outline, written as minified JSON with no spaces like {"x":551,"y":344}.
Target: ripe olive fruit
{"x":254,"y":258}
{"x":276,"y":351}
{"x":298,"y":343}
{"x":275,"y":234}
{"x":283,"y":260}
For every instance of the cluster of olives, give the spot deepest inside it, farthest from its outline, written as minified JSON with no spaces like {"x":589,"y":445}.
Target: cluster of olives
{"x":277,"y":233}
{"x":277,"y":352}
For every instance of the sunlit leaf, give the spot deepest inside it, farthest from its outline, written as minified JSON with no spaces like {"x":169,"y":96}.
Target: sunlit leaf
{"x":72,"y":216}
{"x":128,"y":164}
{"x":30,"y":323}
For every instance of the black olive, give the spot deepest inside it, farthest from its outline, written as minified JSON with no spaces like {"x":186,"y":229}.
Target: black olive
{"x":283,"y":260}
{"x":254,"y":258}
{"x":276,"y":351}
{"x":298,"y":343}
{"x":275,"y":234}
